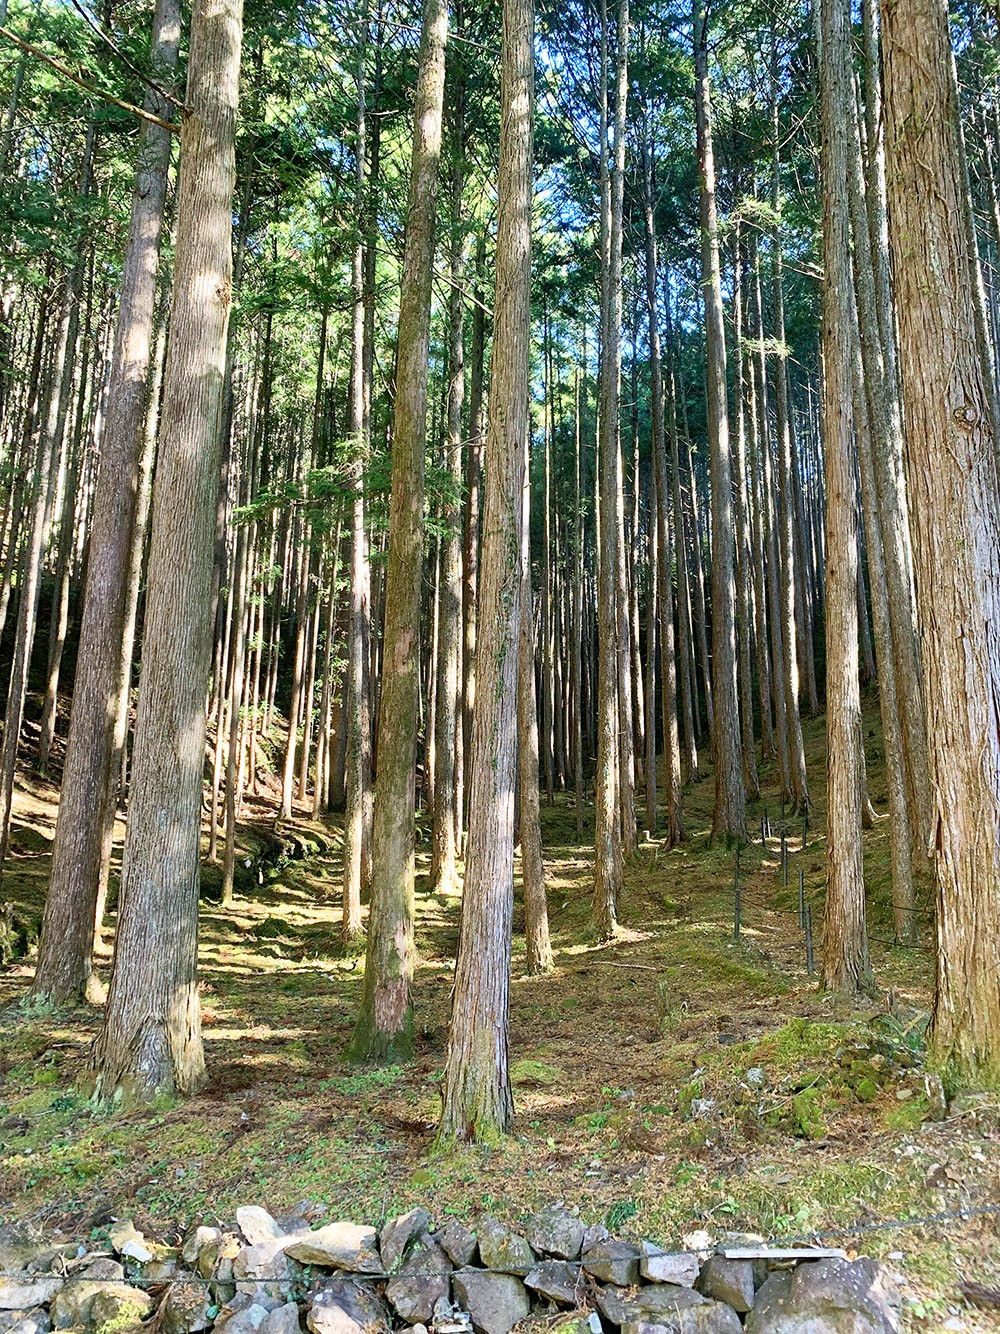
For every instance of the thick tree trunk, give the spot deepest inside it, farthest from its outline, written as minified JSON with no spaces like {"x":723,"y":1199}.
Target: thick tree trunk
{"x":954,"y":497}
{"x":151,"y":1037}
{"x":477,"y":1095}
{"x":384,"y":1027}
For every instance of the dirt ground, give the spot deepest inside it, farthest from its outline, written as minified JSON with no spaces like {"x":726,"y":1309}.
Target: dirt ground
{"x":673,"y":1080}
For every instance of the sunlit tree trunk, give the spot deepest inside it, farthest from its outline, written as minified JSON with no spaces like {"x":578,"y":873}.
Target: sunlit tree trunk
{"x":536,"y":915}
{"x":150,"y":1040}
{"x":846,"y":965}
{"x":478,"y":1104}
{"x":729,"y":817}
{"x":954,"y":495}
{"x":384,"y":1027}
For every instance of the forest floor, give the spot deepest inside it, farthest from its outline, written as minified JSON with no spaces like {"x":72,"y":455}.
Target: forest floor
{"x":670,"y":1081}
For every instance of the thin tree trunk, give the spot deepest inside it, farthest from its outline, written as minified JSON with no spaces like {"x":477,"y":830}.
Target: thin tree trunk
{"x":536,"y":913}
{"x":846,"y":965}
{"x":384,"y":1027}
{"x":729,"y":817}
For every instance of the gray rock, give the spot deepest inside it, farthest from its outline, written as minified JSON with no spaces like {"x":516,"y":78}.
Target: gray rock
{"x":649,"y":1304}
{"x":554,"y":1231}
{"x":495,"y":1302}
{"x":660,"y":1266}
{"x":35,"y":1321}
{"x":283,"y":1319}
{"x":728,"y":1281}
{"x":593,"y":1236}
{"x":613,"y":1262}
{"x":556,"y":1280}
{"x":399,"y":1233}
{"x":827,"y":1297}
{"x":502,"y":1249}
{"x":343,"y":1306}
{"x":163,"y":1269}
{"x":19,"y":1247}
{"x":18,"y":1294}
{"x":104,"y":1268}
{"x":708,"y":1318}
{"x":421,"y":1283}
{"x":185,"y":1308}
{"x":666,"y":1299}
{"x":457,"y":1242}
{"x":241,"y":1315}
{"x":266,"y":1260}
{"x":88,"y":1303}
{"x":340,"y":1246}
{"x":256,"y":1224}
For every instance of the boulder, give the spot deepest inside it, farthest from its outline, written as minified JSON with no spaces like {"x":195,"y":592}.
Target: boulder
{"x":35,"y":1321}
{"x":827,"y":1297}
{"x":457,"y":1242}
{"x":241,"y":1316}
{"x":343,"y":1306}
{"x":266,"y":1260}
{"x":185,"y":1309}
{"x":339,"y":1246}
{"x":495,"y":1302}
{"x":399,"y":1233}
{"x":21,"y":1248}
{"x":502,"y":1249}
{"x":708,"y":1318}
{"x":593,"y":1236}
{"x":653,"y":1303}
{"x":554,"y":1231}
{"x":556,"y":1280}
{"x":660,"y":1266}
{"x":728,"y":1281}
{"x":422,"y":1282}
{"x":283,"y":1319}
{"x":256,"y":1224}
{"x":613,"y":1262}
{"x":19,"y":1294}
{"x":85,"y":1303}
{"x":104,"y":1268}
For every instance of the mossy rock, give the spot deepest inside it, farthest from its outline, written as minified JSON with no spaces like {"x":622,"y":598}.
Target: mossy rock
{"x":807,"y":1113}
{"x":527,"y":1072}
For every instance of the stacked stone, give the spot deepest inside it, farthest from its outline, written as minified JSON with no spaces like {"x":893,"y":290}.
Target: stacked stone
{"x":266,"y":1276}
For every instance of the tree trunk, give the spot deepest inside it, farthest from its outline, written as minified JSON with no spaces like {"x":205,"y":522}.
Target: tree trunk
{"x":384,"y":1028}
{"x":478,"y":1104}
{"x":150,"y":1040}
{"x":846,"y":966}
{"x":954,"y":499}
{"x":729,"y":817}
{"x":608,"y":866}
{"x":536,"y":913}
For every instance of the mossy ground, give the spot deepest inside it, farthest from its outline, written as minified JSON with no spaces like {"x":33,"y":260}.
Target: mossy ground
{"x":672,"y":1079}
